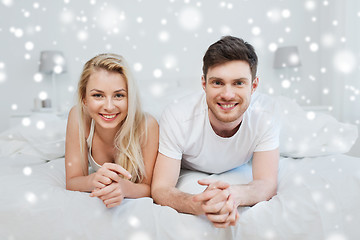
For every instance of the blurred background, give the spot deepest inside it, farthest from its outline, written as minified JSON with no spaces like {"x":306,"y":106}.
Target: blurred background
{"x":308,"y":50}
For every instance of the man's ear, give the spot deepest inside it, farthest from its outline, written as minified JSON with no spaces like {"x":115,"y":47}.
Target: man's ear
{"x":254,"y":85}
{"x":203,"y":81}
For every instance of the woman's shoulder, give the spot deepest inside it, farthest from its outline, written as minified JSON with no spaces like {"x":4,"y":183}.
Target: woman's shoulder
{"x":151,"y":121}
{"x":74,"y":118}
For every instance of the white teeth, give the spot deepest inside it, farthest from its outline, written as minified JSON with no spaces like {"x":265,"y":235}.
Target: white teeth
{"x":228,"y":105}
{"x":109,"y":116}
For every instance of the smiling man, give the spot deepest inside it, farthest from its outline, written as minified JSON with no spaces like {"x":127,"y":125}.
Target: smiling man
{"x":219,"y":129}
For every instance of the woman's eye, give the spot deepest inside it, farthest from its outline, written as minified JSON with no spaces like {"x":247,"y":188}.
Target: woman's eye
{"x":97,"y":95}
{"x":119,"y":95}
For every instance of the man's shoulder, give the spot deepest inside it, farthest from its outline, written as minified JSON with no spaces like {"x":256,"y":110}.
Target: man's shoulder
{"x":263,"y":104}
{"x":187,"y":107}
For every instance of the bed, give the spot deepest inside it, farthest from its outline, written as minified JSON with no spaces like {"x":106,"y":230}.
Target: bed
{"x":318,"y":191}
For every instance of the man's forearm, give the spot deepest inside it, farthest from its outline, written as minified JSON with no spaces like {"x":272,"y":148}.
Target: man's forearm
{"x":176,"y":199}
{"x":253,"y":192}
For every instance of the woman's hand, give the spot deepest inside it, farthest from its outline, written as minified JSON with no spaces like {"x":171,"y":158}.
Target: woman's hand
{"x":112,"y":194}
{"x":108,"y":173}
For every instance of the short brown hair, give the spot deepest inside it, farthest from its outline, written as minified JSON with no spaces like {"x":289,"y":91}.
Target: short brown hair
{"x":227,"y":49}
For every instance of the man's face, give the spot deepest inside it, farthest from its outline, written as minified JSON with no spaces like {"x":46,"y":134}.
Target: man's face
{"x":228,"y":89}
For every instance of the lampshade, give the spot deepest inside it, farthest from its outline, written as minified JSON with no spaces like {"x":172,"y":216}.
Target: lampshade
{"x":287,"y":57}
{"x":52,"y":62}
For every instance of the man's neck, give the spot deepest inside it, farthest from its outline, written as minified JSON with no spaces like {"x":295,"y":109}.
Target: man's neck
{"x":223,"y":129}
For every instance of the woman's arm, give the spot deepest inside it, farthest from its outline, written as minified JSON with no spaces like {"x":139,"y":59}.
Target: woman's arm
{"x":77,"y":178}
{"x":114,"y":193}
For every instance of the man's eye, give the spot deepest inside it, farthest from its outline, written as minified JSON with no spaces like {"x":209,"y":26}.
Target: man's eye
{"x":216,"y":82}
{"x":239,"y":83}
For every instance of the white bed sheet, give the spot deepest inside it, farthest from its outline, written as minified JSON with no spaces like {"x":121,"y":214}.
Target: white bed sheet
{"x":317,"y":199}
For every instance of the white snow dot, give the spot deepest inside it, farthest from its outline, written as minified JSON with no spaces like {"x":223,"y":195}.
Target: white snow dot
{"x":140,"y":236}
{"x":27,"y":171}
{"x":139,"y":19}
{"x":335,"y":23}
{"x":29,"y":46}
{"x":310,"y":5}
{"x":38,"y":77}
{"x":163,"y":21}
{"x":82,"y":35}
{"x":272,"y":47}
{"x":7,"y":3}
{"x":2,"y":77}
{"x":157,"y":73}
{"x":43,"y":95}
{"x":190,"y":18}
{"x":345,"y":61}
{"x":310,"y":115}
{"x":336,"y":236}
{"x":314,"y":47}
{"x":134,"y":221}
{"x":71,"y":88}
{"x":14,"y":107}
{"x":325,"y":91}
{"x":31,"y":197}
{"x":164,"y":36}
{"x":250,"y":20}
{"x":170,"y":61}
{"x":138,"y":67}
{"x":26,"y":122}
{"x":40,"y":125}
{"x":256,"y":31}
{"x":285,"y":83}
{"x":285,"y":13}
{"x":156,"y":89}
{"x":18,"y":33}
{"x":323,"y":70}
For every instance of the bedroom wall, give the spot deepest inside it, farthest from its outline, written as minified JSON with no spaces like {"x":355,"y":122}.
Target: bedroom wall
{"x":164,"y":46}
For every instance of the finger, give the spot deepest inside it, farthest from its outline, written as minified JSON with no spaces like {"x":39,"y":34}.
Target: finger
{"x":113,"y":176}
{"x":221,"y":225}
{"x":206,"y":195}
{"x":104,"y":191}
{"x":113,"y":204}
{"x":217,"y":218}
{"x":213,"y":208}
{"x":118,"y":169}
{"x":228,"y":206}
{"x":212,"y":184}
{"x":116,"y":200}
{"x":232,"y":217}
{"x":104,"y":180}
{"x":221,"y":196}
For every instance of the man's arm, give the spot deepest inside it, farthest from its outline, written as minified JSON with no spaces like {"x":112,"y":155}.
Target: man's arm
{"x":264,"y":185}
{"x":163,"y":187}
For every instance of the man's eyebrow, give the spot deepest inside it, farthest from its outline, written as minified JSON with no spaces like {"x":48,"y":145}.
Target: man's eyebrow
{"x":236,"y":79}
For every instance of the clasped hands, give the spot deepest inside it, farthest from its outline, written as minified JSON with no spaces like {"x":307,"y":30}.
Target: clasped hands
{"x":109,"y":185}
{"x":217,"y":203}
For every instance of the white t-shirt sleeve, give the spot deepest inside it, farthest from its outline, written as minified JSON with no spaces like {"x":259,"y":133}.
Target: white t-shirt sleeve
{"x":170,"y":135}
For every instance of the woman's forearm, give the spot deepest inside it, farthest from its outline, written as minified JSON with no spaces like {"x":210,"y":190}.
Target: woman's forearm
{"x":80,"y":183}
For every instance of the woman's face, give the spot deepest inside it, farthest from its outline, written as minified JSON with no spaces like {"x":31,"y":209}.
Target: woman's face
{"x":106,"y":98}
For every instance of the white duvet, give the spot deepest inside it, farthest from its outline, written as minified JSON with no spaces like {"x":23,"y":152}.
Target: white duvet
{"x":318,"y":191}
{"x":317,"y":199}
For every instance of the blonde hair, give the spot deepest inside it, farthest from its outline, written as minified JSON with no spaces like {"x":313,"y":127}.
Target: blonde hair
{"x":132,"y":133}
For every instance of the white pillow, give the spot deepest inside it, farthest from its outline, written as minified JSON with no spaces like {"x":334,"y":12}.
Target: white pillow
{"x":44,"y":138}
{"x":310,"y":134}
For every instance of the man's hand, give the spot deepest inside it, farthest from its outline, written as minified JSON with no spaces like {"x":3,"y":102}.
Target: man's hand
{"x":111,"y":195}
{"x":217,"y":203}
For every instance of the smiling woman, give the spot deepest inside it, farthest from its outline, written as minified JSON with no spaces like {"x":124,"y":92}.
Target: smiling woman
{"x":108,"y":129}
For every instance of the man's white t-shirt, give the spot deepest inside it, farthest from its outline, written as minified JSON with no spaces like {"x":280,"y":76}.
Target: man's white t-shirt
{"x":186,"y":134}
